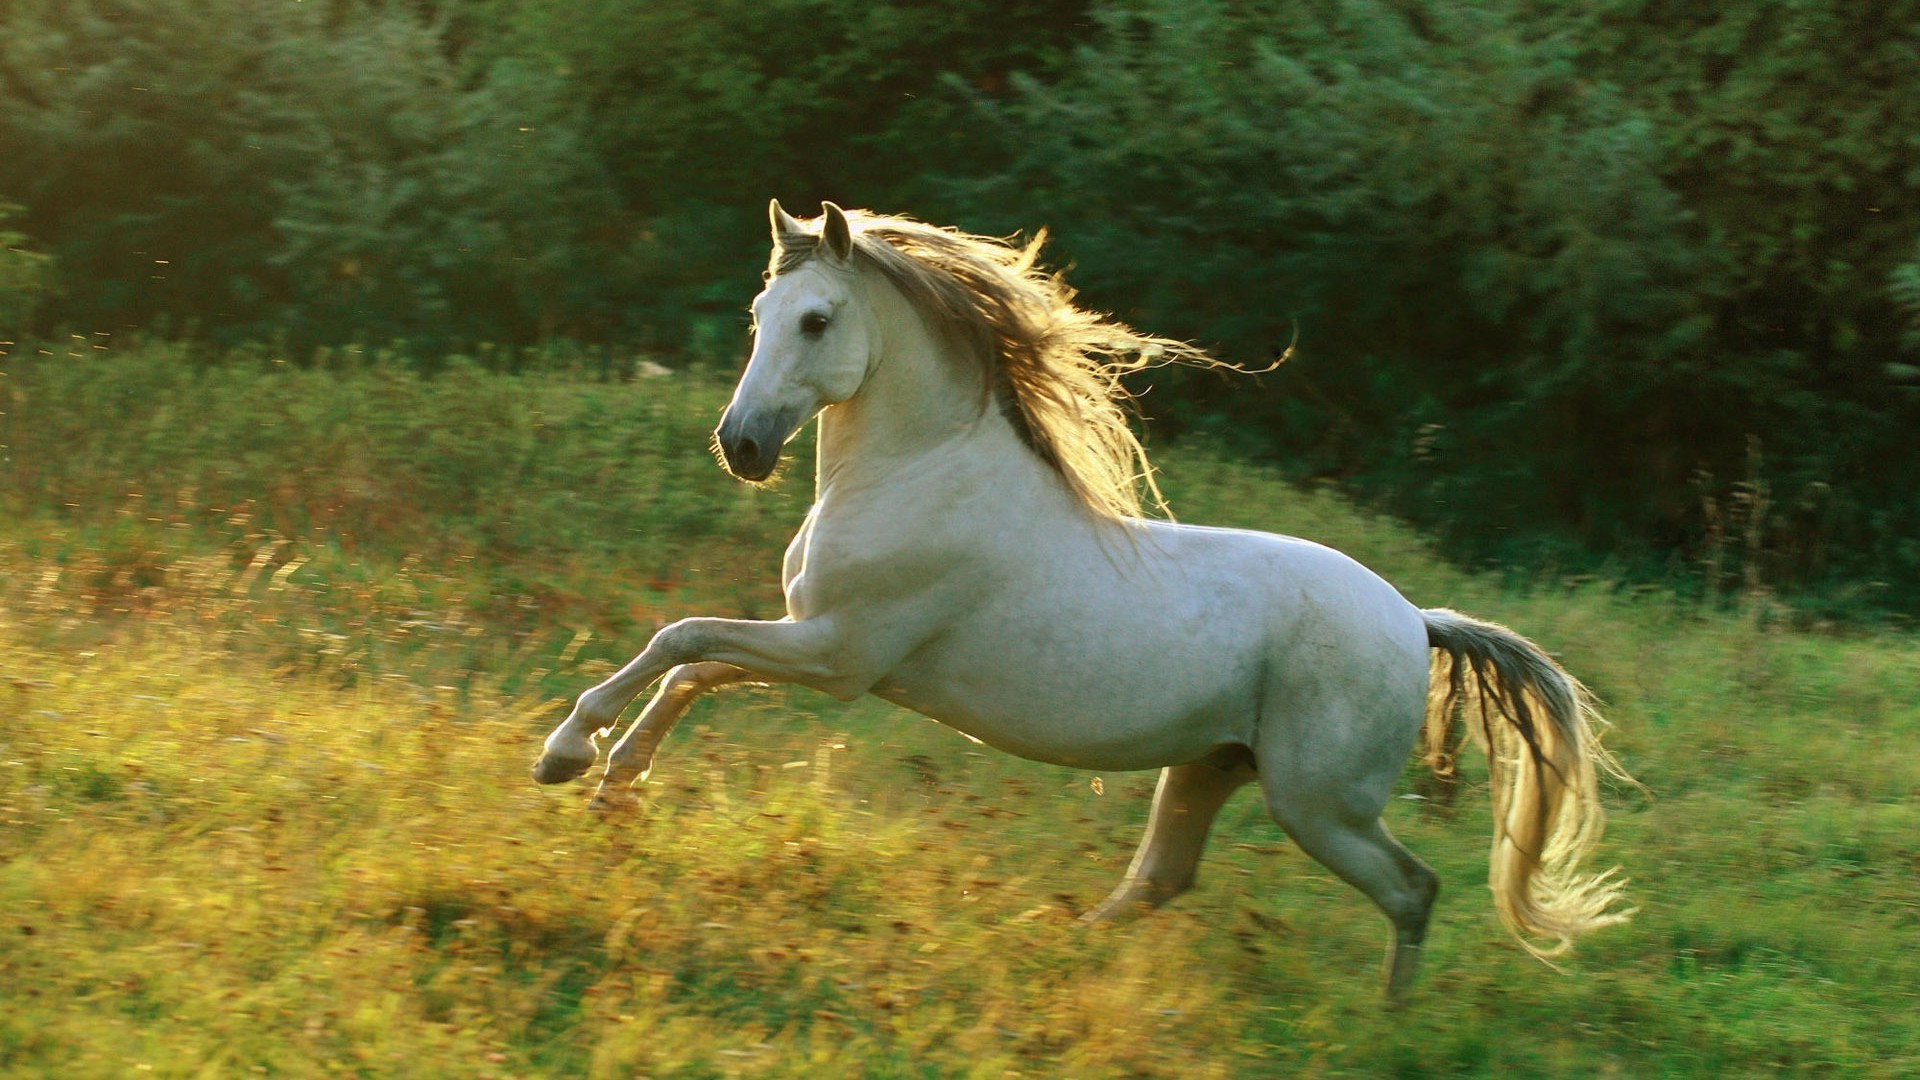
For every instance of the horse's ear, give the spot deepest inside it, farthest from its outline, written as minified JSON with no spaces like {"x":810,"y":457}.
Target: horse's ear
{"x":784,"y":226}
{"x":835,"y":232}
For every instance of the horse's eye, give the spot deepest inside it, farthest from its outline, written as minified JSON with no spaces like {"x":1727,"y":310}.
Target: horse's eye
{"x":813,"y":324}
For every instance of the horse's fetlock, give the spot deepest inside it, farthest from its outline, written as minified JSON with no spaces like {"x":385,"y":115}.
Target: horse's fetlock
{"x":609,"y":801}
{"x":590,"y":707}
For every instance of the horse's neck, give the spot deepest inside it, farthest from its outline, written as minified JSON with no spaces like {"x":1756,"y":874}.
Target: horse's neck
{"x":918,"y":401}
{"x":920,"y":443}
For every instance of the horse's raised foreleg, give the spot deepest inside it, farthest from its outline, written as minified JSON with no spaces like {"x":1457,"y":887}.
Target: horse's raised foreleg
{"x":632,"y":756}
{"x":1184,"y":806}
{"x":809,"y":652}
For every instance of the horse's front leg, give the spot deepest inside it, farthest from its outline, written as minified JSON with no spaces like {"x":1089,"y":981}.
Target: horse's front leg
{"x":632,"y":756}
{"x":809,"y":652}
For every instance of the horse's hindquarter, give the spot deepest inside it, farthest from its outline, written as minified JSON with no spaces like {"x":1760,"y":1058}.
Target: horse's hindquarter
{"x":1097,"y":652}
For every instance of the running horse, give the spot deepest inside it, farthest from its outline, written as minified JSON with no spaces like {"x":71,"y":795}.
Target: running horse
{"x":978,"y":552}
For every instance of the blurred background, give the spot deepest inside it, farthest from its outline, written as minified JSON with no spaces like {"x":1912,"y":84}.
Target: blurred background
{"x":1630,"y":287}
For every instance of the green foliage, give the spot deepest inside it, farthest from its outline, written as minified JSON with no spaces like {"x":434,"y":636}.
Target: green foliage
{"x":289,"y":171}
{"x":26,"y":276}
{"x":511,"y":173}
{"x":701,"y":111}
{"x":1904,"y":285}
{"x":433,"y":210}
{"x":130,"y":131}
{"x":263,"y":805}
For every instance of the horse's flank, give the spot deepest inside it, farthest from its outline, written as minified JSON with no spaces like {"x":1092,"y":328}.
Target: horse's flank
{"x":1054,"y":367}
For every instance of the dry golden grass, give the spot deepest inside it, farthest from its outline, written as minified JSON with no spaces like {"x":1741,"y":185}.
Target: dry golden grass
{"x":213,"y":867}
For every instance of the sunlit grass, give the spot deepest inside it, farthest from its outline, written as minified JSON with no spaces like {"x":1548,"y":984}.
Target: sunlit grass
{"x":264,"y":807}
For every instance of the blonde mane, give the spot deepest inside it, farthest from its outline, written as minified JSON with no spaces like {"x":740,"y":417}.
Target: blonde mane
{"x":1054,"y":367}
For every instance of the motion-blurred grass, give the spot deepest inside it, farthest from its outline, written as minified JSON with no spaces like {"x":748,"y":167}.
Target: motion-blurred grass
{"x":277,"y":644}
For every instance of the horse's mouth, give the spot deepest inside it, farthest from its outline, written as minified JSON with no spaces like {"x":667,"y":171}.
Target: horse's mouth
{"x":756,"y":473}
{"x":750,"y":445}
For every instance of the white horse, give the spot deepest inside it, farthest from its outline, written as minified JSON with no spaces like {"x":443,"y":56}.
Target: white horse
{"x":976,"y":553}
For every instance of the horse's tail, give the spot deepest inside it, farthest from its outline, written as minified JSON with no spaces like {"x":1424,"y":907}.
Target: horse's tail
{"x":1538,"y":726}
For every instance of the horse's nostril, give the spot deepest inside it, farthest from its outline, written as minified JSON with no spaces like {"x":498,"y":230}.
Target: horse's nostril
{"x":748,"y":450}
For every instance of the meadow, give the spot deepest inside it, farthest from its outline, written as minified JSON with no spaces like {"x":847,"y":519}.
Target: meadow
{"x":278,"y":642}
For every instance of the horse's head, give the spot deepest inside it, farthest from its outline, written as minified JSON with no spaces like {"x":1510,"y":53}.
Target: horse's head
{"x":811,"y":346}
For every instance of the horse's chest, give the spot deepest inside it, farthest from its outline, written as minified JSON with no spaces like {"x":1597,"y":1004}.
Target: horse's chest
{"x":838,"y":567}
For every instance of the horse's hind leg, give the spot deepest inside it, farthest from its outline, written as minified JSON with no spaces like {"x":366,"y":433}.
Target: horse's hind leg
{"x":1184,"y":806}
{"x":1367,"y":857}
{"x":632,"y":756}
{"x":1339,"y":825}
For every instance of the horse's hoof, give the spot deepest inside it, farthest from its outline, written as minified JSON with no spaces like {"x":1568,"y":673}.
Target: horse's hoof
{"x":614,"y":803}
{"x":1131,"y":900}
{"x":1110,"y":913}
{"x":1403,"y":964}
{"x":555,"y":769}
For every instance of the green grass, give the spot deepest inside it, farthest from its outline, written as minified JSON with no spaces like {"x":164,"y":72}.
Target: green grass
{"x":277,"y":645}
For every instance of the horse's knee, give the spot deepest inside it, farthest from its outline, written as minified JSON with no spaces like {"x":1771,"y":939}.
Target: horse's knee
{"x":681,"y":644}
{"x":685,"y":682}
{"x":681,"y":684}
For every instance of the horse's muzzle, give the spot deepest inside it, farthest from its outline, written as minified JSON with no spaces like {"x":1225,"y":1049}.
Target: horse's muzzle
{"x":750,"y":445}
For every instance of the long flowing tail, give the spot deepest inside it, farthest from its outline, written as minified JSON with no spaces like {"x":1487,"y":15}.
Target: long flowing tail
{"x":1539,"y":728}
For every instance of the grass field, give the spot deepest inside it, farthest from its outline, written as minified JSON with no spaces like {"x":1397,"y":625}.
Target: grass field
{"x":277,"y":645}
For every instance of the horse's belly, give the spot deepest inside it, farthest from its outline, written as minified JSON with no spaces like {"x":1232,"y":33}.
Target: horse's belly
{"x":1075,"y":735}
{"x":1099,"y":698}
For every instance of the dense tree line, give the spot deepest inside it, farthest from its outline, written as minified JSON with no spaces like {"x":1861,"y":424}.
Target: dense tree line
{"x":1633,"y":276}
